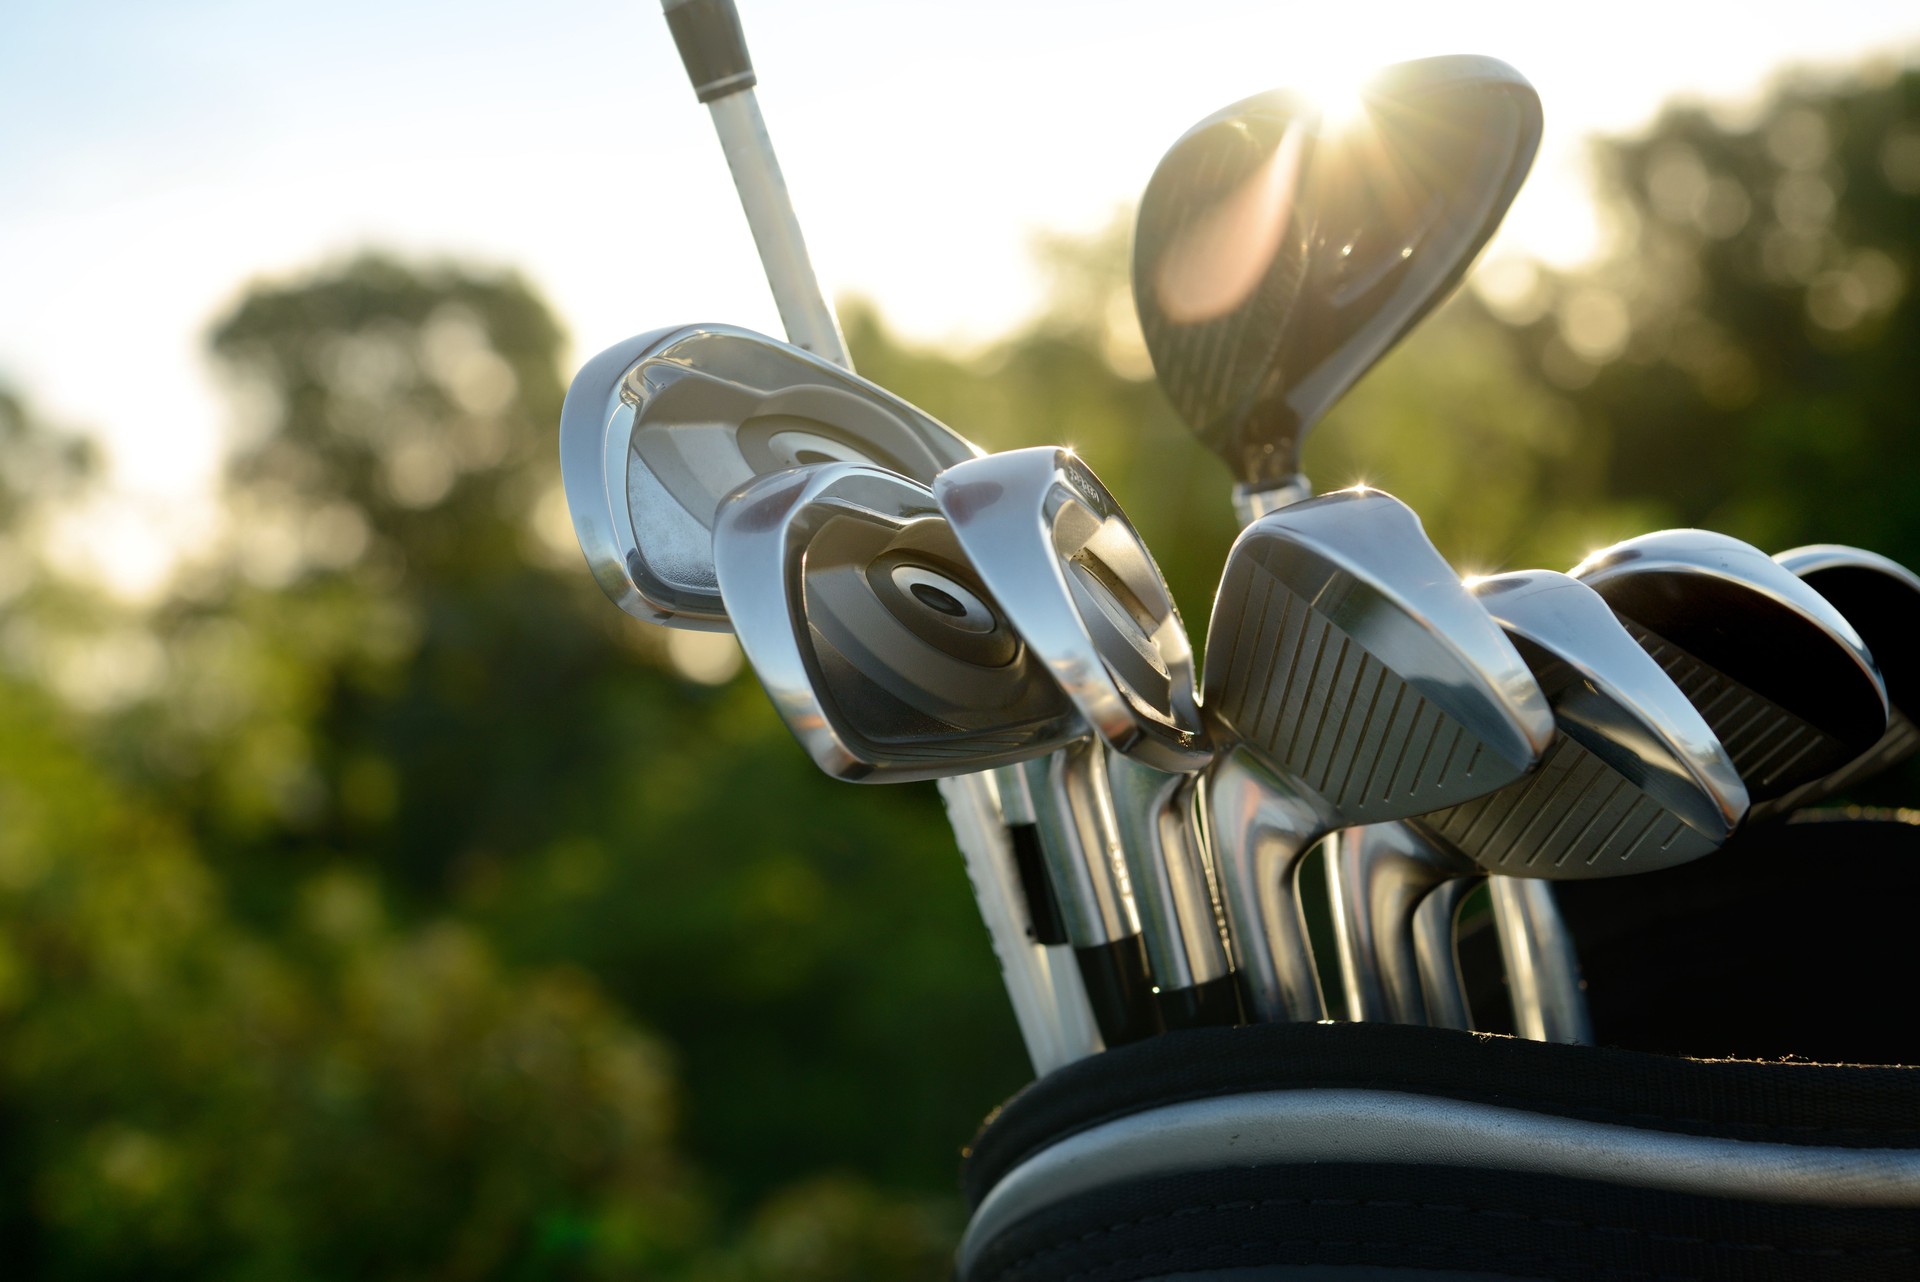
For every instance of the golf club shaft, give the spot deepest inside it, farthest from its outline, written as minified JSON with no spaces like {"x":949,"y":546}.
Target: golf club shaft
{"x":1055,"y":1026}
{"x":1543,"y":975}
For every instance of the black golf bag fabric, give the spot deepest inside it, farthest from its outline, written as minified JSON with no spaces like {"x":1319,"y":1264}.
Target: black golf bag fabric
{"x":1700,"y":1140}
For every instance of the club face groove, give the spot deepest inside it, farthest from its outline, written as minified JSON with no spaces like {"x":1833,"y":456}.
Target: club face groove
{"x":1635,"y":780}
{"x":1779,"y":675}
{"x":1078,"y":583}
{"x":881,"y":649}
{"x":658,"y":429}
{"x":1573,"y":817}
{"x":1348,"y":658}
{"x":1277,"y":257}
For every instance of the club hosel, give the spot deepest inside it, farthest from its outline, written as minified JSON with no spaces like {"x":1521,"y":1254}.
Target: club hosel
{"x":1076,"y":827}
{"x":1075,"y":819}
{"x":1441,"y":985}
{"x":1167,"y":872}
{"x":1252,"y":501}
{"x":1543,"y":970}
{"x":1260,"y":829}
{"x":1381,"y":874}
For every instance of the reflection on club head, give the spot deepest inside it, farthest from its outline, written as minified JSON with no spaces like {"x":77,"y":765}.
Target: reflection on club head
{"x":658,"y":429}
{"x":1279,"y":254}
{"x":1780,"y":676}
{"x":878,"y":643}
{"x":1078,"y":582}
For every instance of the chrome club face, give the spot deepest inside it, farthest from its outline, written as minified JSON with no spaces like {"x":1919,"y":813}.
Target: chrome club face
{"x":866,"y":623}
{"x":1363,"y":683}
{"x":1781,"y":677}
{"x":658,"y":429}
{"x":1278,"y":256}
{"x":1634,"y":781}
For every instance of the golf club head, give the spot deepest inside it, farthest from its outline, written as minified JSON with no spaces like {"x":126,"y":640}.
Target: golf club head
{"x":1881,"y":599}
{"x":1345,"y":653}
{"x":1634,"y":782}
{"x":1362,"y":683}
{"x":1076,"y":580}
{"x":1279,"y":254}
{"x":658,"y":429}
{"x":880,"y":647}
{"x":1780,"y":676}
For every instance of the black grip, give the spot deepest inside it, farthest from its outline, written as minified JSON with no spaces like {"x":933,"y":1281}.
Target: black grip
{"x":712,"y":46}
{"x":1043,"y":908}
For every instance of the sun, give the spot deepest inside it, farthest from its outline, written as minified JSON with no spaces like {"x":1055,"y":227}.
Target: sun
{"x":1336,"y":87}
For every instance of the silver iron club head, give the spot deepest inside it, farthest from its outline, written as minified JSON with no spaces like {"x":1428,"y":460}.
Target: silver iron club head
{"x":863,"y":618}
{"x":658,"y":429}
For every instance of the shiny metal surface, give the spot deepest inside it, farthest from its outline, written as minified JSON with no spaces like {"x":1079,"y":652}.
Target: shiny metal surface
{"x":1345,"y":652}
{"x":1077,"y":581}
{"x":865,"y":622}
{"x":1278,"y":256}
{"x":1378,"y":878}
{"x":1043,"y":984}
{"x":1261,"y":828}
{"x":1781,"y":677}
{"x":658,"y":429}
{"x":1306,"y":1126}
{"x":1078,"y":833}
{"x":1345,"y":656}
{"x":1435,"y":935}
{"x":1634,"y":780}
{"x":1164,"y":844}
{"x":1881,"y":599}
{"x":1543,"y":968}
{"x":1048,"y":1002}
{"x":809,"y":322}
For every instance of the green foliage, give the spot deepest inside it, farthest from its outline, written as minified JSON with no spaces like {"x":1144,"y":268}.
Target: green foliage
{"x":384,"y":903}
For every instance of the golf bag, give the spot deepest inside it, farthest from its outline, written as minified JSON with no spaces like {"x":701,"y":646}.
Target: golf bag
{"x":1752,"y":1109}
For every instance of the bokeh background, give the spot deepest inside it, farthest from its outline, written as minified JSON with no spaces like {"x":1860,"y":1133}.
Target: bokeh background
{"x":377,"y":901}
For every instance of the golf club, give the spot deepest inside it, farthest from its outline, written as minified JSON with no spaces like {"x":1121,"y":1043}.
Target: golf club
{"x":1634,"y":781}
{"x":1048,"y":1005}
{"x":1078,"y":583}
{"x":1279,"y":254}
{"x":1359,"y":682}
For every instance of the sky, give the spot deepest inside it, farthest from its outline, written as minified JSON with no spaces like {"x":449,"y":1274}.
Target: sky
{"x":154,"y":159}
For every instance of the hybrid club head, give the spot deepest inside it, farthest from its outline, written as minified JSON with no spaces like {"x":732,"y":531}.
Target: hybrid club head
{"x":1076,"y":579}
{"x":1780,"y":676}
{"x":658,"y":429}
{"x":879,"y":645}
{"x":1278,"y":255}
{"x":1362,"y":683}
{"x":1881,"y":599}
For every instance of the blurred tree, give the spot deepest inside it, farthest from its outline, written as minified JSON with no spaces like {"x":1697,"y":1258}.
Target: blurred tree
{"x":431,"y":688}
{"x":1748,"y":348}
{"x":188,"y":1097}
